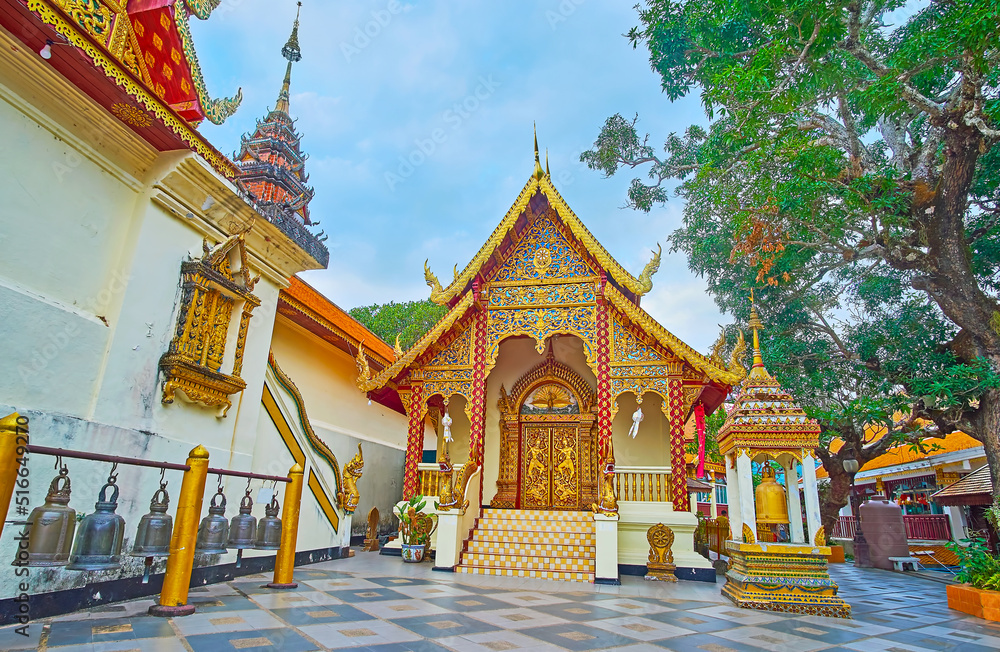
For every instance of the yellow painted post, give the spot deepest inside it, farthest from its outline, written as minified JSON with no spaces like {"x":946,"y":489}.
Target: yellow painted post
{"x":284,"y":563}
{"x":12,"y":428}
{"x":174,"y":595}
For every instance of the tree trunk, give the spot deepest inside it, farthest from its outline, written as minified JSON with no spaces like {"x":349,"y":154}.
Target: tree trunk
{"x":988,"y":422}
{"x":838,"y":494}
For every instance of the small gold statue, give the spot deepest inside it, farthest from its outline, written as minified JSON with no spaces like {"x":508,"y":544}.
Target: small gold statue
{"x":661,"y":558}
{"x":608,"y":502}
{"x":348,"y":496}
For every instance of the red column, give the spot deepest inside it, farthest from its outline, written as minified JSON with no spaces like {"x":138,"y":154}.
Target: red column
{"x":604,"y":397}
{"x":678,"y":469}
{"x":414,"y":442}
{"x":478,"y":411}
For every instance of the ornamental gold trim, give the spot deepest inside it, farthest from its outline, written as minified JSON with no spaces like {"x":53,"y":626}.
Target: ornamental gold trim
{"x":117,"y":71}
{"x":638,"y":286}
{"x":667,"y":339}
{"x":210,"y":290}
{"x":367,"y":383}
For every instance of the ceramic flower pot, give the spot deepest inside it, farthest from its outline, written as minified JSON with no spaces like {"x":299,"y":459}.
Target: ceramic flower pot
{"x":413,"y":553}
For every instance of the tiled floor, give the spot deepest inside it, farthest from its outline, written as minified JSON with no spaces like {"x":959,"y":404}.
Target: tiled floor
{"x":377,"y":604}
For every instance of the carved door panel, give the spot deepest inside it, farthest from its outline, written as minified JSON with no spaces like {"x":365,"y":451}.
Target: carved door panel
{"x":565,"y":468}
{"x":536,"y":456}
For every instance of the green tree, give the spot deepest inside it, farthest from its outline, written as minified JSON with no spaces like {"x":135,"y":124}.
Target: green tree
{"x":850,"y":172}
{"x":409,"y":320}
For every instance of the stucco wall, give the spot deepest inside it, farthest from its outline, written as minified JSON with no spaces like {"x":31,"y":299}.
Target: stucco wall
{"x":89,"y":288}
{"x":341,"y":417}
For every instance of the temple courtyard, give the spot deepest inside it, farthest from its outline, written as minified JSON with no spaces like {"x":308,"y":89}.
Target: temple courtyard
{"x":377,"y":603}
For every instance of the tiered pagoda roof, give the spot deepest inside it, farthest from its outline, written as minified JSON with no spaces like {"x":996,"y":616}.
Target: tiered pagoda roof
{"x":271,"y":162}
{"x":764,"y":417}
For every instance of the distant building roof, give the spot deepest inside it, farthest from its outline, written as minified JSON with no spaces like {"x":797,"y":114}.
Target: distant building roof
{"x":974,"y":489}
{"x":906,"y":453}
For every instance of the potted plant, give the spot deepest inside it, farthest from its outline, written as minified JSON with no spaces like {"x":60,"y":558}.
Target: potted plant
{"x":979,"y":595}
{"x":415,"y":528}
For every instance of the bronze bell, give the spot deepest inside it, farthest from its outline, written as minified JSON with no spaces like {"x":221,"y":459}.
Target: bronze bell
{"x":99,"y":540}
{"x":152,"y":539}
{"x":269,"y":528}
{"x":214,"y":528}
{"x":770,"y":500}
{"x":243,"y":528}
{"x":50,"y":527}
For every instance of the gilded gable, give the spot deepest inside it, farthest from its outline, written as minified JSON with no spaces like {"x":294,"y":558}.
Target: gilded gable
{"x":458,"y":353}
{"x":543,"y":253}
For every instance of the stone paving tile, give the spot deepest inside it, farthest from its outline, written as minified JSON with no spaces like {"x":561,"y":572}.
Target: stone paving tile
{"x":375,"y":603}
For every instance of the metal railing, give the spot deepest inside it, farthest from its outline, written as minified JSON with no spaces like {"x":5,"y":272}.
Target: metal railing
{"x":925,"y":527}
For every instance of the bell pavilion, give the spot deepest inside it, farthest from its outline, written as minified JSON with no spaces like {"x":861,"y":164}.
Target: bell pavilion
{"x":538,"y":369}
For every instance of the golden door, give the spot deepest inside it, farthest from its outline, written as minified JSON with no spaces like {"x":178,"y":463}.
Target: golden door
{"x":550,"y":472}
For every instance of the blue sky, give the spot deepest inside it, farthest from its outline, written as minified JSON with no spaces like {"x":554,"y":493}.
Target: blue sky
{"x":475,"y":75}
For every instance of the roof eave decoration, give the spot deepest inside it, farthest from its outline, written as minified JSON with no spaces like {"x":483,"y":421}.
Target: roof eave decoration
{"x":367,"y":383}
{"x":727,"y":376}
{"x":216,"y":110}
{"x":79,"y":30}
{"x":638,"y":286}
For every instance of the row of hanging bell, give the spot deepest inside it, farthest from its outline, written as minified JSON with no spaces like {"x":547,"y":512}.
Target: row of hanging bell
{"x":216,"y":535}
{"x":98,"y":541}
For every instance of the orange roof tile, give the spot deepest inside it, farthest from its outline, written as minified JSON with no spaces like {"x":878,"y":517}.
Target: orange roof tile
{"x":904,"y":453}
{"x":303,"y":298}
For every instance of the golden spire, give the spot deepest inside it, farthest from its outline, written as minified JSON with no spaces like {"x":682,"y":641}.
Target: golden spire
{"x":757,"y":371}
{"x":293,"y":53}
{"x":539,"y":172}
{"x":547,"y":173}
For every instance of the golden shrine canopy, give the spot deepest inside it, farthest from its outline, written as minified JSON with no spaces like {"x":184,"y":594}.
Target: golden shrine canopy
{"x":764,"y":417}
{"x":542,"y":273}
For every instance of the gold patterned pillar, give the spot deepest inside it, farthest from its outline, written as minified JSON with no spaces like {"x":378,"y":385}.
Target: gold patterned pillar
{"x":477,"y":414}
{"x":416,"y":409}
{"x":678,"y":471}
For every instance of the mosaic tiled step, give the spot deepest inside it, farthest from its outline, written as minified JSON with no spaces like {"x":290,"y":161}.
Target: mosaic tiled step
{"x":516,"y":537}
{"x":529,"y":562}
{"x":521,"y":572}
{"x":523,"y":543}
{"x":530,"y":549}
{"x":541,"y":515}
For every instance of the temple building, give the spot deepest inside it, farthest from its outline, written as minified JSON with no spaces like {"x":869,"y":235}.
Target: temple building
{"x":150,"y":304}
{"x":542,"y":365}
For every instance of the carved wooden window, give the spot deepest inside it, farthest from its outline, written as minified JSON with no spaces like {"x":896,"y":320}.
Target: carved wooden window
{"x":210,"y":293}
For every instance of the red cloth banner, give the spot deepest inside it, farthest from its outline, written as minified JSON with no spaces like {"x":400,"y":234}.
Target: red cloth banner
{"x":699,"y":421}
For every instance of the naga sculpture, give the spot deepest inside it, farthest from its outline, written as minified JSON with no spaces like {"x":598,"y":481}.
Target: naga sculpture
{"x":451,"y":495}
{"x":607,"y":501}
{"x":646,"y":277}
{"x":349,"y":496}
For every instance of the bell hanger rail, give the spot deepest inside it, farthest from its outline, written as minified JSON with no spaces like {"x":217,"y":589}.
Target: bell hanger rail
{"x":97,"y":457}
{"x":247,"y":474}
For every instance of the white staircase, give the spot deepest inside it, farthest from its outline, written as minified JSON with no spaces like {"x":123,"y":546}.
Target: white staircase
{"x":555,"y":545}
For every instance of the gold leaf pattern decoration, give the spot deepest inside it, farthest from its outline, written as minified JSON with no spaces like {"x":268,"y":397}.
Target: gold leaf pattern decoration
{"x":130,"y":114}
{"x":544,"y":252}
